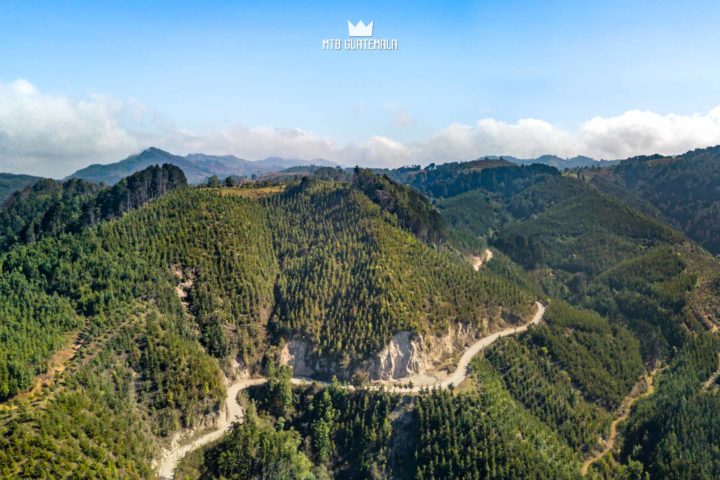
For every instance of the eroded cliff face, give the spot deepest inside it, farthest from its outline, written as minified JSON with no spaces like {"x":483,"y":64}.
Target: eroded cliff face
{"x":298,"y":354}
{"x":405,"y":355}
{"x":400,"y":358}
{"x":409,"y":354}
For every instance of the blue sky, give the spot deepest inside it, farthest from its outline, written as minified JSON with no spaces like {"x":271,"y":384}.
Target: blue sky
{"x":221,"y":75}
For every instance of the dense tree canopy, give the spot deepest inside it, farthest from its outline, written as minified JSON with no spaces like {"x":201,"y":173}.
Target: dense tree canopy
{"x":147,"y":293}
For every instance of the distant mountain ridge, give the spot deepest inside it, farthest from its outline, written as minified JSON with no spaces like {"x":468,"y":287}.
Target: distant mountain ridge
{"x":10,"y":183}
{"x":579,"y":161}
{"x":198,"y":167}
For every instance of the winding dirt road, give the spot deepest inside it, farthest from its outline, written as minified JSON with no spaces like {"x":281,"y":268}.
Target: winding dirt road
{"x":460,"y":373}
{"x":635,"y":394}
{"x":461,"y":370}
{"x":233,"y":412}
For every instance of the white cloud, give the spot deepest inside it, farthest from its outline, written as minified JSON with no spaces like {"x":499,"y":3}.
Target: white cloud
{"x":54,"y":135}
{"x":251,"y":143}
{"x":636,"y":133}
{"x":630,"y":134}
{"x":378,"y":151}
{"x":526,"y":138}
{"x":47,"y":134}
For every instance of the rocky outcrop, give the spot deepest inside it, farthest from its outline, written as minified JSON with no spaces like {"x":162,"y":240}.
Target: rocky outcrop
{"x":409,"y":354}
{"x":298,"y":354}
{"x":406,"y":354}
{"x":400,"y":358}
{"x":295,"y":354}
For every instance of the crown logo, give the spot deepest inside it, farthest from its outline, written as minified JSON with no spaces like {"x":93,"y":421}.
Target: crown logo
{"x":360,"y":30}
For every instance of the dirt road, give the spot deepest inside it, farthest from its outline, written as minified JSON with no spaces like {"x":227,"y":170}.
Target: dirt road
{"x":233,"y":412}
{"x":635,"y":394}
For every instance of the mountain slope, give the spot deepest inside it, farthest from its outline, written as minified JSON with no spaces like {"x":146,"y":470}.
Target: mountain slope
{"x":364,"y":279}
{"x":573,"y":237}
{"x":10,"y":183}
{"x":50,"y":207}
{"x":53,"y":284}
{"x":684,"y":189}
{"x":114,"y":172}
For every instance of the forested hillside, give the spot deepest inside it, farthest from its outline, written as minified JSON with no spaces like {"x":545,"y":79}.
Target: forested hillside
{"x":126,"y":310}
{"x":452,"y":179}
{"x":220,"y":245}
{"x":411,"y":209}
{"x":648,"y":291}
{"x":49,"y":208}
{"x":683,"y":188}
{"x":50,"y":286}
{"x":246,"y":260}
{"x":675,"y":433}
{"x":590,"y":249}
{"x":351,"y":278}
{"x":10,"y":183}
{"x":151,"y":302}
{"x":138,"y":372}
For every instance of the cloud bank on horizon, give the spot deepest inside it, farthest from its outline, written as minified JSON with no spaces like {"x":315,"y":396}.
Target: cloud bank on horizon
{"x":54,"y":135}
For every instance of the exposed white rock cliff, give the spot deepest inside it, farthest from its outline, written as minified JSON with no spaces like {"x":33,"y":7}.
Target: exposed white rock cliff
{"x":298,"y":354}
{"x":408,"y":354}
{"x":400,"y":358}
